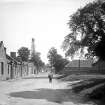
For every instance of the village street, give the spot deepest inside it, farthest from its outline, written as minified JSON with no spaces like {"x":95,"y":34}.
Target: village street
{"x":36,"y":90}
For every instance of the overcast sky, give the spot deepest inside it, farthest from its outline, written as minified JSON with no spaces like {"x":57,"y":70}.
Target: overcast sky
{"x":44,"y":20}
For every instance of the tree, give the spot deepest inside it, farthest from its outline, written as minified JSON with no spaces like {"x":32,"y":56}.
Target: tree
{"x":52,"y":55}
{"x":37,"y":61}
{"x":23,"y":53}
{"x":87,"y":27}
{"x":56,"y":60}
{"x":60,"y":63}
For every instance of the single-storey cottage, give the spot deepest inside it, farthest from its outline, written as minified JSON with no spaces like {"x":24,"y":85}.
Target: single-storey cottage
{"x":10,"y":67}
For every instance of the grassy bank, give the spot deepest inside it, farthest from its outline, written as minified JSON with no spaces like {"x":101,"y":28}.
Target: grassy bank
{"x":91,"y":87}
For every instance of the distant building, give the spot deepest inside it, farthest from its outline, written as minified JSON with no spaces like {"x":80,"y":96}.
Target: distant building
{"x":31,"y":68}
{"x":80,"y":63}
{"x":85,"y":66}
{"x":3,"y":62}
{"x":100,"y":65}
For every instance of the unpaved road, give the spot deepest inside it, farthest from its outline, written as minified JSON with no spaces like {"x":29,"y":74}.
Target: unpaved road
{"x":37,"y":91}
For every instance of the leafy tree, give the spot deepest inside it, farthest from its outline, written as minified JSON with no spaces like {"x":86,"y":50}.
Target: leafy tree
{"x":87,"y":26}
{"x":60,"y":63}
{"x":23,"y":53}
{"x":37,"y":61}
{"x":56,"y":60}
{"x":52,"y":55}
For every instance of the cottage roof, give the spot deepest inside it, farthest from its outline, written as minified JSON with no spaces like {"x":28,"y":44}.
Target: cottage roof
{"x":11,"y":59}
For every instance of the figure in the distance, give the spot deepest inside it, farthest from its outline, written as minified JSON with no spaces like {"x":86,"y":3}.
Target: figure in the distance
{"x":50,"y":76}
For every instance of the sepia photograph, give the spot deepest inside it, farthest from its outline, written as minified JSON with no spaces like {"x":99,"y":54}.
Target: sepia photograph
{"x":52,"y":52}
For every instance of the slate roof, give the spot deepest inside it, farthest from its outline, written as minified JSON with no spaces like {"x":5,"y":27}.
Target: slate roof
{"x":12,"y":59}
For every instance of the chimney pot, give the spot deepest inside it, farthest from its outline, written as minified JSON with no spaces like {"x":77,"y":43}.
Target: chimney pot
{"x":13,"y":54}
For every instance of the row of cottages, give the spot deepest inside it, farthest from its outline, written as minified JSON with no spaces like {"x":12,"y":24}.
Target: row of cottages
{"x":11,"y":68}
{"x":85,"y":66}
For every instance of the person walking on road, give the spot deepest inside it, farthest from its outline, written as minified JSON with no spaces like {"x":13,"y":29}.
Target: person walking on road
{"x":50,"y":76}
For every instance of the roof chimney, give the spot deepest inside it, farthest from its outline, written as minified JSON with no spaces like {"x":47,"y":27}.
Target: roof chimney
{"x":13,"y":54}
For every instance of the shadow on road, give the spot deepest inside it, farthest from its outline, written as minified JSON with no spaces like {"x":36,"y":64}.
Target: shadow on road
{"x":52,"y":95}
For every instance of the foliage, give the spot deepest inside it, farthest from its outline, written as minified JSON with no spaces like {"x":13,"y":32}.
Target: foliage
{"x":23,"y":53}
{"x":37,"y":60}
{"x":52,"y":55}
{"x":87,"y":27}
{"x":60,"y":63}
{"x":56,"y":60}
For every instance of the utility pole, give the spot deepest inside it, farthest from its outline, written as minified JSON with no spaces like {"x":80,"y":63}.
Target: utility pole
{"x":79,"y":61}
{"x":79,"y":64}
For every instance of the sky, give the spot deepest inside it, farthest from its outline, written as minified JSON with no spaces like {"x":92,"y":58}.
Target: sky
{"x":44,"y":20}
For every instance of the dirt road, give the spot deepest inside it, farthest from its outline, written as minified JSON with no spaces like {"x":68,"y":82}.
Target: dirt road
{"x":37,"y":90}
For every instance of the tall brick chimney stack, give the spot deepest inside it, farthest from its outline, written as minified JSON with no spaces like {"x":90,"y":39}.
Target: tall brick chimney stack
{"x":13,"y":54}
